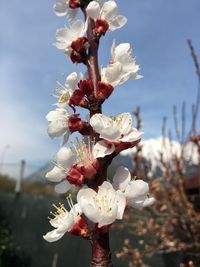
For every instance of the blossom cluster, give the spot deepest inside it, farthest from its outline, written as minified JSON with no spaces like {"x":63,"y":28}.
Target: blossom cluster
{"x":84,"y":164}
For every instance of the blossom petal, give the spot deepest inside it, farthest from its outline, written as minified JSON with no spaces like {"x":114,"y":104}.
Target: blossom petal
{"x":110,"y":13}
{"x":65,"y":138}
{"x":53,"y":236}
{"x":121,"y":178}
{"x":63,"y":38}
{"x":85,"y":194}
{"x":149,"y":201}
{"x":132,"y":136}
{"x":121,"y":201}
{"x":67,"y":223}
{"x":71,"y":80}
{"x":102,"y":149}
{"x":60,"y":7}
{"x":105,"y":126}
{"x":55,"y":175}
{"x":63,"y":187}
{"x":93,"y":10}
{"x":109,"y":219}
{"x":57,"y":128}
{"x":137,"y":189}
{"x":124,"y":121}
{"x":65,"y":158}
{"x":91,"y":212}
{"x":112,"y":74}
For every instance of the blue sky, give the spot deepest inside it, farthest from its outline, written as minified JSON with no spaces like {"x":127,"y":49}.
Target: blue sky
{"x":30,"y":66}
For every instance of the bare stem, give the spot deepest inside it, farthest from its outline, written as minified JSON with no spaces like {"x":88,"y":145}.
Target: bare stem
{"x":101,"y":255}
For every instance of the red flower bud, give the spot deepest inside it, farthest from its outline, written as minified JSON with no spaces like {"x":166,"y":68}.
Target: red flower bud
{"x":76,"y":57}
{"x":75,"y":177}
{"x":101,"y":27}
{"x":74,"y":4}
{"x":75,"y":123}
{"x":80,"y":228}
{"x":104,"y":90}
{"x":78,"y":99}
{"x":87,"y":170}
{"x":80,"y":45}
{"x":86,"y":86}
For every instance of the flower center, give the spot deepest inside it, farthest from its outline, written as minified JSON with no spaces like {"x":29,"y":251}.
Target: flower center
{"x":104,"y":203}
{"x":83,"y":151}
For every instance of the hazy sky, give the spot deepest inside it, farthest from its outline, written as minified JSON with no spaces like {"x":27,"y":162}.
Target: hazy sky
{"x":30,"y":65}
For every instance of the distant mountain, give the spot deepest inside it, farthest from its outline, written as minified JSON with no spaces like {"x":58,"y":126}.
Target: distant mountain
{"x":39,"y":175}
{"x":152,"y":148}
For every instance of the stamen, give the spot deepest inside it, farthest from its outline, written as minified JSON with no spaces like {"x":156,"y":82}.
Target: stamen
{"x":70,"y":202}
{"x":60,"y":84}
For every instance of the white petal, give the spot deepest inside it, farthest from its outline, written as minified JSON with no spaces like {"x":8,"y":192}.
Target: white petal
{"x":91,"y":212}
{"x":65,"y":138}
{"x":71,"y":80}
{"x":93,"y":10}
{"x":121,"y":179}
{"x":65,"y":157}
{"x":132,"y":136}
{"x":124,"y":121}
{"x":53,"y":236}
{"x":56,"y":174}
{"x":60,"y":7}
{"x":77,"y":29}
{"x":121,"y":202}
{"x":102,"y":149}
{"x":76,"y":211}
{"x":57,"y":128}
{"x":63,"y":187}
{"x":106,"y":188}
{"x":111,"y":14}
{"x":109,"y":219}
{"x":137,"y":189}
{"x":86,"y":194}
{"x":113,"y":51}
{"x":148,"y":202}
{"x":67,"y":223}
{"x":105,"y":126}
{"x":112,"y":74}
{"x":117,"y":22}
{"x":63,"y":38}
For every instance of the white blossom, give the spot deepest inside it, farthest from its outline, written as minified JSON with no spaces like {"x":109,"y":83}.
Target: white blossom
{"x":64,"y":160}
{"x":64,"y":92}
{"x":115,"y":129}
{"x":135,"y":191}
{"x":122,"y":65}
{"x":65,"y":36}
{"x":61,"y":8}
{"x":63,"y":221}
{"x":108,"y":11}
{"x":102,"y":207}
{"x":58,"y":123}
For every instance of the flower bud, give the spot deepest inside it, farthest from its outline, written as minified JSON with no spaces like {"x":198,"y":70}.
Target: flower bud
{"x":75,"y":123}
{"x":101,"y":27}
{"x":78,"y":99}
{"x":86,"y":86}
{"x":74,"y":4}
{"x":80,"y":228}
{"x":88,"y":170}
{"x":75,"y":177}
{"x":80,"y":45}
{"x":104,"y":90}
